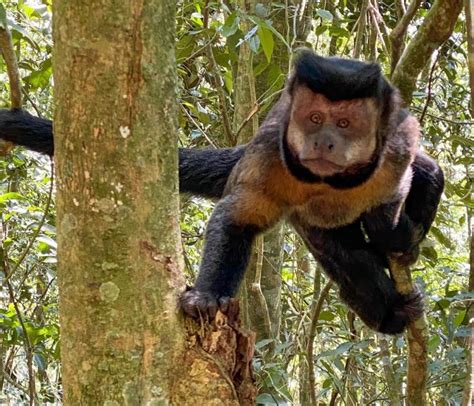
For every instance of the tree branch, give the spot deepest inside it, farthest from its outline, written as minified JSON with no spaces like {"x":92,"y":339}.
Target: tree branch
{"x":417,"y":341}
{"x":6,"y":47}
{"x":435,"y":29}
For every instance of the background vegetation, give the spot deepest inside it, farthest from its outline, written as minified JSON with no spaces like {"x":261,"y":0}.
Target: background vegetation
{"x":233,"y":57}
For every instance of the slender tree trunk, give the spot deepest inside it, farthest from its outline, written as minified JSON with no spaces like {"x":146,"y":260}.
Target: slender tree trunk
{"x":119,"y":266}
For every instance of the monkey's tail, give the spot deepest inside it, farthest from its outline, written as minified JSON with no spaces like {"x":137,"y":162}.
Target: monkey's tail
{"x":21,"y":128}
{"x":202,"y":172}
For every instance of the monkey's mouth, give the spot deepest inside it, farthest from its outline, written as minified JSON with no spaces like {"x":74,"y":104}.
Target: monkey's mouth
{"x":322,"y":167}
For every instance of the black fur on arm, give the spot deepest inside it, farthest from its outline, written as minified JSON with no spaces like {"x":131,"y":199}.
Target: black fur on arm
{"x":359,"y":271}
{"x":226,"y":254}
{"x":204,"y":172}
{"x":417,"y":214}
{"x":22,"y":128}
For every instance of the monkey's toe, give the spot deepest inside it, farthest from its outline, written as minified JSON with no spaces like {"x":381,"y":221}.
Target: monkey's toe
{"x":408,"y":308}
{"x":197,"y":303}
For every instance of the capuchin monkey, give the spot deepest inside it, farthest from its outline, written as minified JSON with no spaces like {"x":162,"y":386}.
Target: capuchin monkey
{"x":339,"y":159}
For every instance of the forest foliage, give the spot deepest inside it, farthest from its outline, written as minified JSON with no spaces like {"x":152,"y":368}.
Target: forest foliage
{"x":350,"y":362}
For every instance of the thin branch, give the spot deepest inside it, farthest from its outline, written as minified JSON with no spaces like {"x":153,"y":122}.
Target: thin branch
{"x":220,"y":96}
{"x":256,"y":288}
{"x":379,"y":25}
{"x":311,"y":336}
{"x":6,"y":47}
{"x":360,"y":29}
{"x":198,"y":127}
{"x":440,"y":118}
{"x":430,"y":84}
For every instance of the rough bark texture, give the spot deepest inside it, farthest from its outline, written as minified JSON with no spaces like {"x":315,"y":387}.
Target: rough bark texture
{"x":118,"y":234}
{"x":219,"y":357}
{"x":435,"y":29}
{"x":119,"y":269}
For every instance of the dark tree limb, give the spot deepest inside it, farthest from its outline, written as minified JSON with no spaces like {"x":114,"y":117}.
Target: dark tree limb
{"x":397,"y":36}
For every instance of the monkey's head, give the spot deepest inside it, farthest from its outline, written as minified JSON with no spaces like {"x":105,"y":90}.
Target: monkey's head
{"x":339,"y":113}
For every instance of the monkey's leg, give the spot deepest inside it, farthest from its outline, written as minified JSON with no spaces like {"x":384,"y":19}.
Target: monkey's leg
{"x":360,"y":273}
{"x":235,"y":222}
{"x":399,"y":230}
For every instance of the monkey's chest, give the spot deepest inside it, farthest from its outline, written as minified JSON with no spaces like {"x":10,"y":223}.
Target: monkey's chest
{"x":331,"y":208}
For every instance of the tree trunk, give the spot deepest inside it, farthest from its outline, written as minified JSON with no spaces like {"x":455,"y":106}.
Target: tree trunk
{"x":119,"y":266}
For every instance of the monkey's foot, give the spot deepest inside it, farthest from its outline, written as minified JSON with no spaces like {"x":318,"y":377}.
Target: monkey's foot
{"x":408,"y":308}
{"x":197,"y":303}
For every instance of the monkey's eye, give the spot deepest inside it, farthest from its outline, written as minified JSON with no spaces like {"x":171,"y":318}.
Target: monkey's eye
{"x":343,"y":123}
{"x":316,"y":118}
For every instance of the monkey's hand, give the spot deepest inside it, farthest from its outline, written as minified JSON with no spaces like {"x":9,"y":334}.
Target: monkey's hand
{"x":196,"y":303}
{"x":407,"y":309}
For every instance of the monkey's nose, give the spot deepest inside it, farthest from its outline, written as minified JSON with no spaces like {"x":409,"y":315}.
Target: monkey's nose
{"x":329,"y":146}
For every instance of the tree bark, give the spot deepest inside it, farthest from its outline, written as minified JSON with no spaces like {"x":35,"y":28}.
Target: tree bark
{"x":119,"y":261}
{"x":435,"y":29}
{"x":117,"y":200}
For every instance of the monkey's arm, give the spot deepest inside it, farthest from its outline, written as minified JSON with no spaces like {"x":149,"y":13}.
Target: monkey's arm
{"x":202,"y":172}
{"x":359,"y":271}
{"x":235,"y":222}
{"x":401,"y":234}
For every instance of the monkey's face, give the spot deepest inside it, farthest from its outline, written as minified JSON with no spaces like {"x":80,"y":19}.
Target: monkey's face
{"x":329,"y":137}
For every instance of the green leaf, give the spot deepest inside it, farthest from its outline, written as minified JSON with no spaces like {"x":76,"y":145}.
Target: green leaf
{"x":266,"y":39}
{"x":459,"y":317}
{"x":48,"y":241}
{"x":326,"y":315}
{"x":325,"y":14}
{"x":433,"y":343}
{"x":230,"y":26}
{"x":11,"y":196}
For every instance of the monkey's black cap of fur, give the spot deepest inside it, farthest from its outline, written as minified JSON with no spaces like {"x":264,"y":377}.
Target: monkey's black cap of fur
{"x":338,"y":78}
